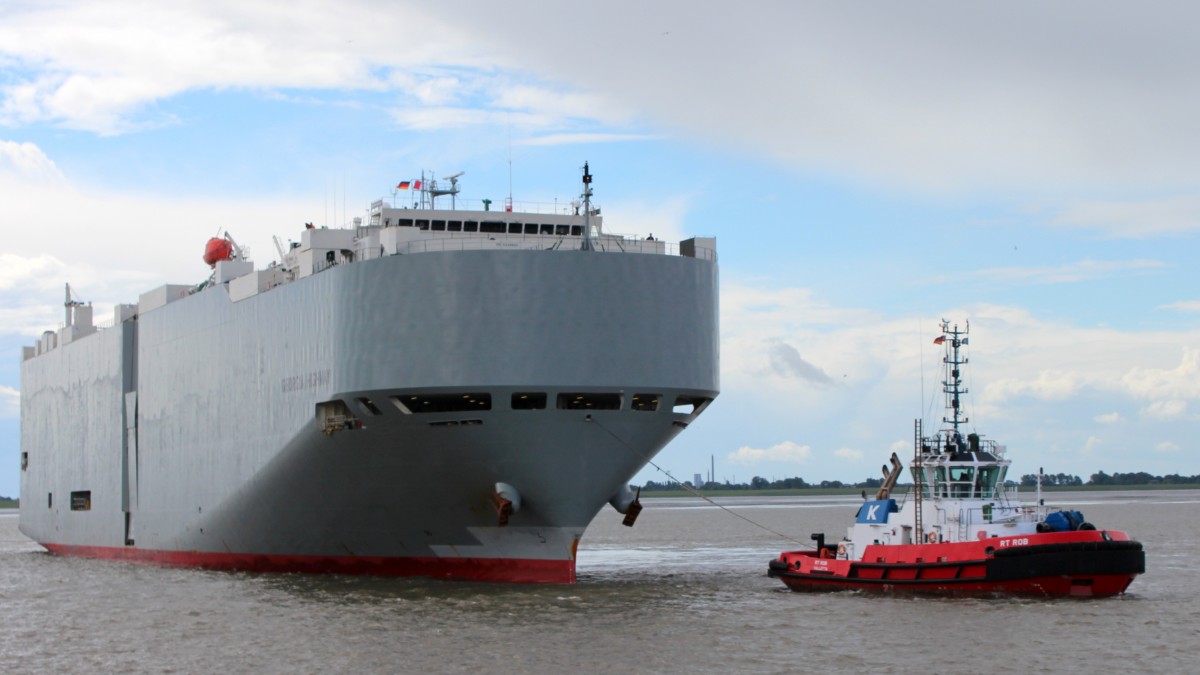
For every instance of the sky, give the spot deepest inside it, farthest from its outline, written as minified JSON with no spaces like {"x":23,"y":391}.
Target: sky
{"x":868,"y":169}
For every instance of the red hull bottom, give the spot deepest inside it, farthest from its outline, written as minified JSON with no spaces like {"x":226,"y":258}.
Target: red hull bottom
{"x":1048,"y":586}
{"x":510,"y":570}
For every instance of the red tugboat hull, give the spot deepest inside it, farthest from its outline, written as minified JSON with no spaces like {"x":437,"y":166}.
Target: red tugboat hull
{"x":1091,"y":564}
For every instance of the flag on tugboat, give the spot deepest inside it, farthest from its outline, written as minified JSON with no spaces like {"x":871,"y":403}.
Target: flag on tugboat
{"x":403,"y":185}
{"x":939,"y":339}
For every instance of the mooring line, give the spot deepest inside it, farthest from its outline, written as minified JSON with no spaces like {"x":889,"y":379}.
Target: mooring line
{"x":694,"y":491}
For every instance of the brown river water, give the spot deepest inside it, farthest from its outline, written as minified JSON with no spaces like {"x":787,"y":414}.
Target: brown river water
{"x":684,"y":590}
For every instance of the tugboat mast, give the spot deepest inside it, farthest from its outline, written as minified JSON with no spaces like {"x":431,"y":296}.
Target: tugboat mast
{"x":952,"y":385}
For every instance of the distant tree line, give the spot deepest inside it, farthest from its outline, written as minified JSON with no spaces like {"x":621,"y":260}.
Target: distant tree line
{"x":1030,"y":479}
{"x":760,"y":483}
{"x":1102,"y":478}
{"x":1140,"y":478}
{"x":1027,"y":480}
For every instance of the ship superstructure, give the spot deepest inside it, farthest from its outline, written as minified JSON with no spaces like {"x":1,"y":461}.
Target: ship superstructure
{"x":442,"y":392}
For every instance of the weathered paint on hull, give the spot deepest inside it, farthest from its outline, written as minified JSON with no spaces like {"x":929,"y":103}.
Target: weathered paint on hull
{"x":194,"y":429}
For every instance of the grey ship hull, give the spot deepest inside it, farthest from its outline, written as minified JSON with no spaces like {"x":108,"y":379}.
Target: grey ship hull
{"x":198,"y":432}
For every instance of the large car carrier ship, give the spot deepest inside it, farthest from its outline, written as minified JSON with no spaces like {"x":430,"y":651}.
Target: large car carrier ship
{"x":434,"y":392}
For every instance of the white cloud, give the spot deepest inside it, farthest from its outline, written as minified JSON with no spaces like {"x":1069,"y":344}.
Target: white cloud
{"x":1051,"y":385}
{"x":10,"y":402}
{"x":1183,"y":306}
{"x":585,"y":138}
{"x":42,"y":272}
{"x":1180,"y":382}
{"x":96,"y":66}
{"x":1108,"y":418}
{"x":933,"y":95}
{"x":1083,"y":270}
{"x":1165,"y":410}
{"x":1167,"y":446}
{"x":28,"y":161}
{"x":848,"y":453}
{"x":1135,"y":219}
{"x":930,"y":95}
{"x":786,"y":451}
{"x":900,"y":447}
{"x":1092,"y":444}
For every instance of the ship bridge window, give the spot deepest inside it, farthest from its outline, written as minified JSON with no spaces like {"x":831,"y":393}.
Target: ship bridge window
{"x":646,"y":402}
{"x":454,"y":225}
{"x":81,"y":500}
{"x":547,"y":229}
{"x":438,"y":225}
{"x":493,"y":226}
{"x":470,"y":226}
{"x":515,"y":228}
{"x":531,"y":228}
{"x":690,"y":405}
{"x":423,"y":224}
{"x":404,"y":222}
{"x":961,"y":480}
{"x":562,"y":230}
{"x":435,"y":403}
{"x":576,"y":230}
{"x":589,"y":401}
{"x":526,"y":400}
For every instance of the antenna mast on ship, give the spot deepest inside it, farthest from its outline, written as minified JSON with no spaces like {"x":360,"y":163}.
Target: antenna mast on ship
{"x":435,"y":192}
{"x":587,"y":209}
{"x":952,"y":385}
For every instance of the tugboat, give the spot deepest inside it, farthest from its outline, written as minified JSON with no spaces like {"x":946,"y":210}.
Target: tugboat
{"x":962,"y":530}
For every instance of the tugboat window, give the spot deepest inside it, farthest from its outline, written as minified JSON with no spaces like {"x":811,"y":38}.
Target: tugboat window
{"x":531,"y":228}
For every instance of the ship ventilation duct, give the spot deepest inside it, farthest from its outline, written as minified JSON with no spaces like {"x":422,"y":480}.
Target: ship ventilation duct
{"x":625,"y":501}
{"x":507,"y":501}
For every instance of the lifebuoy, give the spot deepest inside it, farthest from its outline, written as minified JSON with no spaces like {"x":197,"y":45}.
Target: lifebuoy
{"x":931,"y":537}
{"x":841,"y":551}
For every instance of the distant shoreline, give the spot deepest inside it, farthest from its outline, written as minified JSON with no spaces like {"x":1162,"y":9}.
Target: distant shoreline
{"x":838,"y":492}
{"x":831,"y":492}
